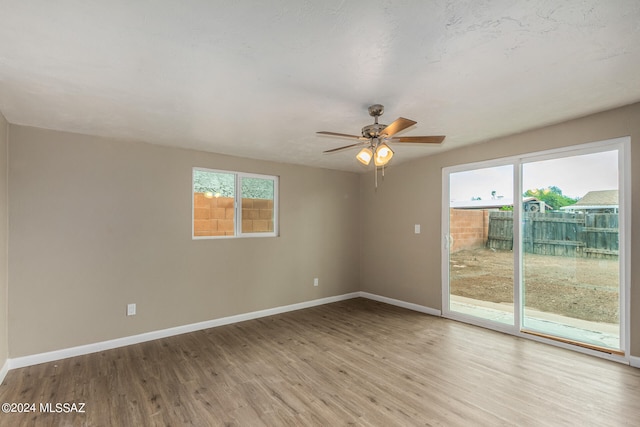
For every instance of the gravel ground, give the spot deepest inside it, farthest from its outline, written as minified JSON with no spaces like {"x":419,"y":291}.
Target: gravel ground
{"x":582,"y":288}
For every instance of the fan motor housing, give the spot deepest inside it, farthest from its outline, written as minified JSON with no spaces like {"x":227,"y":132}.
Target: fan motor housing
{"x":373,"y":131}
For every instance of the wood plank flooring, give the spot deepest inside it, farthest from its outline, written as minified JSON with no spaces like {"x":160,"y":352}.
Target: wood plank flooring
{"x":356,"y":362}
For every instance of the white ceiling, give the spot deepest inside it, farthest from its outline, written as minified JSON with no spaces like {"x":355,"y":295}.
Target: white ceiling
{"x":258,"y":78}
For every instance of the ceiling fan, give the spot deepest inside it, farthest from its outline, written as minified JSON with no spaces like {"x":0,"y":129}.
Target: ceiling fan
{"x":375,"y":137}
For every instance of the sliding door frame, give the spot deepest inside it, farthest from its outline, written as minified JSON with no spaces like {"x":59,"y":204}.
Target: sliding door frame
{"x":623,"y":145}
{"x":446,"y":301}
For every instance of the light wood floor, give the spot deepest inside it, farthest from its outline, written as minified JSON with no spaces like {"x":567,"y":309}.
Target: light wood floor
{"x":356,"y":362}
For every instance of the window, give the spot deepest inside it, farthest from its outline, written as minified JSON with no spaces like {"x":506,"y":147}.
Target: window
{"x":234,"y":204}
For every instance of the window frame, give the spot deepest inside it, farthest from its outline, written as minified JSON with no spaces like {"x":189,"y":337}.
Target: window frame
{"x":237,"y":217}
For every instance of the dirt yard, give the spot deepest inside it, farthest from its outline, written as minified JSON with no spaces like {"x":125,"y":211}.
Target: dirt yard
{"x":582,"y":288}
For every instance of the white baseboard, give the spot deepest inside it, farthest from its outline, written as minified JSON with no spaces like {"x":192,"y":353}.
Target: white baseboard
{"x":20,"y":362}
{"x":634,"y":361}
{"x":4,"y":370}
{"x":403,"y":304}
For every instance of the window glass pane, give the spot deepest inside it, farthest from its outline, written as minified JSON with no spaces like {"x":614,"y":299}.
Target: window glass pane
{"x":213,"y":203}
{"x":257,"y":205}
{"x":571,"y":283}
{"x":481,"y":243}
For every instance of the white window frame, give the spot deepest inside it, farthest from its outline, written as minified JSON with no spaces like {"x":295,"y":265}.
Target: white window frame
{"x":237,"y":218}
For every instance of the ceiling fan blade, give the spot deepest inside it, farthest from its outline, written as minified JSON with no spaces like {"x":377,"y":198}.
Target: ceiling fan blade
{"x":419,"y":139}
{"x":343,"y":148}
{"x":342,"y":135}
{"x":397,"y":126}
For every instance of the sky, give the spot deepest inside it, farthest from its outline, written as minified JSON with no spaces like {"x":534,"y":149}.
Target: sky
{"x":575,"y":176}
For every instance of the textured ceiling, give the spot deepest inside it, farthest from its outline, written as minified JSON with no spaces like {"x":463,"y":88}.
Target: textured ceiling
{"x":258,"y":79}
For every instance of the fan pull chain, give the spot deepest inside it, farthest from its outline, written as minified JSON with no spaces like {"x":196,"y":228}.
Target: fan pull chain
{"x":375,"y":172}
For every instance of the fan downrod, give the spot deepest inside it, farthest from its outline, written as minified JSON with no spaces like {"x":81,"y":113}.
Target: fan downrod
{"x":373,"y":131}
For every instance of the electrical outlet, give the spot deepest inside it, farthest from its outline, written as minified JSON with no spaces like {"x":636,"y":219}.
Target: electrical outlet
{"x":131,"y":309}
{"x":416,"y":228}
{"x":315,"y":281}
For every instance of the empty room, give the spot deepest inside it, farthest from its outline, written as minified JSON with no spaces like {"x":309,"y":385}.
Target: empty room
{"x":319,"y":213}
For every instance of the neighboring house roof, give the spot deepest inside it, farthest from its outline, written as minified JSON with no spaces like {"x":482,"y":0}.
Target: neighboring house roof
{"x":481,"y":204}
{"x":489,"y":203}
{"x":599,"y":198}
{"x":603,"y":199}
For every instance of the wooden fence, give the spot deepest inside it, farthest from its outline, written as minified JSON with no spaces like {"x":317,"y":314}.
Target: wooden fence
{"x":561,"y":234}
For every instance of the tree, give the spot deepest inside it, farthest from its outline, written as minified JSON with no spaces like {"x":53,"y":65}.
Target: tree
{"x":552,"y":196}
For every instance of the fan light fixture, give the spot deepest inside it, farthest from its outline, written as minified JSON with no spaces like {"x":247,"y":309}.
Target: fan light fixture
{"x":383,"y":155}
{"x":364,"y":156}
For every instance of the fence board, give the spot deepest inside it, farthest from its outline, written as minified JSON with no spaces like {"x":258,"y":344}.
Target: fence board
{"x":558,"y":233}
{"x":501,"y":230}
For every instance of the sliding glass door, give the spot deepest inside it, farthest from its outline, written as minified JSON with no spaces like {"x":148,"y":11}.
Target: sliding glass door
{"x":535,"y":245}
{"x":570,"y":257}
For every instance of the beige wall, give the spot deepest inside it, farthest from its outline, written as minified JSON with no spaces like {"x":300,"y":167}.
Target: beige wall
{"x":4,"y":135}
{"x":76,"y":261}
{"x":407,"y":266}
